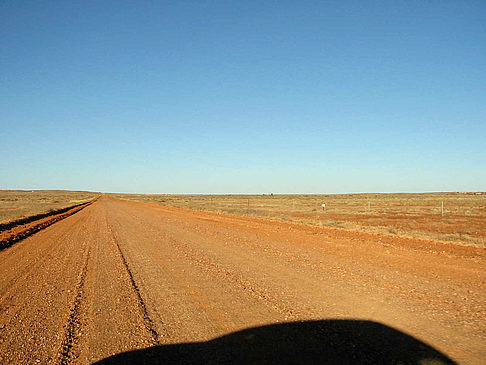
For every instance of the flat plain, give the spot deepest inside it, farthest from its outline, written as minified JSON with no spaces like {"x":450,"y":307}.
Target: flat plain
{"x":123,"y":281}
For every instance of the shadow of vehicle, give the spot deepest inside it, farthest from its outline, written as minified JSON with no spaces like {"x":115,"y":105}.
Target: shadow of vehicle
{"x":309,"y":342}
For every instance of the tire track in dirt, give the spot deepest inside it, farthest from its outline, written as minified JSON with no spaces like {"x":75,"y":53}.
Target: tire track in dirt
{"x":149,"y":323}
{"x":73,"y":328}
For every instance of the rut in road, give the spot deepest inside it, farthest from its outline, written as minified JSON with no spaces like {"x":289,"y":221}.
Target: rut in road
{"x":149,"y":323}
{"x":73,"y":328}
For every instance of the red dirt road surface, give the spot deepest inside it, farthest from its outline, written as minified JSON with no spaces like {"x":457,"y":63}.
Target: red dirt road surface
{"x":121,"y":276}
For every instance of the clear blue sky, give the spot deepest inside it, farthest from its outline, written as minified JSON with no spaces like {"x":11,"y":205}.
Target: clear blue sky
{"x":243,"y":96}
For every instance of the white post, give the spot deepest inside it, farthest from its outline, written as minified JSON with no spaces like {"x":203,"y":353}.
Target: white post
{"x":369,"y":206}
{"x":442,"y":210}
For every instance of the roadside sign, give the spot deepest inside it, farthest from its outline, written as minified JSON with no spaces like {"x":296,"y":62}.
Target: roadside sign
{"x":323,"y":204}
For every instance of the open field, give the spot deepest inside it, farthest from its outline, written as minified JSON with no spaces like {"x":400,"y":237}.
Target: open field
{"x":407,"y":215}
{"x":16,"y":204}
{"x":128,"y":282}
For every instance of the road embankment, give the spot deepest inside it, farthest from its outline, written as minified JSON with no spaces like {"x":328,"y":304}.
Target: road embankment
{"x":14,"y":231}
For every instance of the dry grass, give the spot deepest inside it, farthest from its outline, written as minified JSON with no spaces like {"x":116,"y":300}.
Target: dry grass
{"x":16,"y":204}
{"x":411,"y":215}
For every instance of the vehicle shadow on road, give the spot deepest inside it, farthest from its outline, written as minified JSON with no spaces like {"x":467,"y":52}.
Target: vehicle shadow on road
{"x":309,"y":342}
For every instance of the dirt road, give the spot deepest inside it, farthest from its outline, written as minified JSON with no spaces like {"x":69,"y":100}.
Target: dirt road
{"x":120,"y":276}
